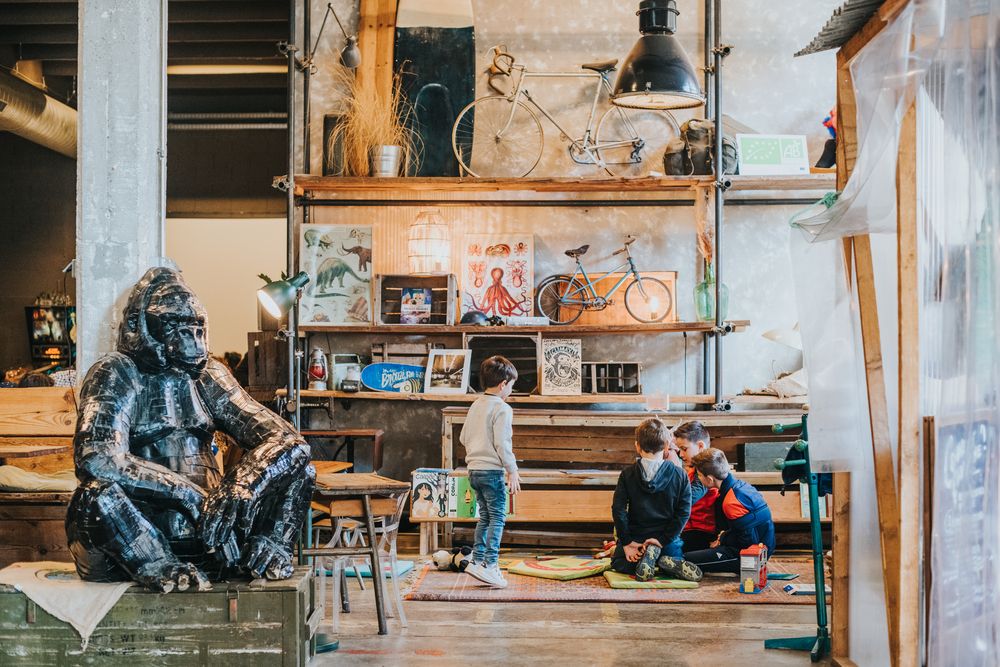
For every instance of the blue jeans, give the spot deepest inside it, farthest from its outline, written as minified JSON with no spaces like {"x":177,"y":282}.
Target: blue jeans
{"x":491,"y":497}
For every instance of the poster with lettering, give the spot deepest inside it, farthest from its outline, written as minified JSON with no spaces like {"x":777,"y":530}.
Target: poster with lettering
{"x":338,"y":261}
{"x":561,"y":367}
{"x":498,"y":274}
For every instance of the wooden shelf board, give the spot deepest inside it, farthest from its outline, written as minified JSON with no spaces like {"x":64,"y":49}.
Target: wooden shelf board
{"x":322,"y":187}
{"x":585,"y":399}
{"x":562,"y":331}
{"x":336,"y":185}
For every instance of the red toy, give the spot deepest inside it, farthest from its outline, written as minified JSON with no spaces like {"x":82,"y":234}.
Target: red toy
{"x":753,"y":569}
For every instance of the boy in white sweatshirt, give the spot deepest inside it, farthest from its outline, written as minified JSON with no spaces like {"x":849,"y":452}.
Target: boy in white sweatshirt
{"x":489,"y":452}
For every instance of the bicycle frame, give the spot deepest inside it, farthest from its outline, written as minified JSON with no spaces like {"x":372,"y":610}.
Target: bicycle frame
{"x":585,"y":144}
{"x":589,"y":284}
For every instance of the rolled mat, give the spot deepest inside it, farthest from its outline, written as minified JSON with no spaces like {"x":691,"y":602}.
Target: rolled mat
{"x":561,"y":569}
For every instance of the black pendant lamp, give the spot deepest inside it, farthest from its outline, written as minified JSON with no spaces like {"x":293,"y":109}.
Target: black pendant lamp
{"x":657,"y":73}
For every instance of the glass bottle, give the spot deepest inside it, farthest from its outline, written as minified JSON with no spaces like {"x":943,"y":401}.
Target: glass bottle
{"x":704,"y":297}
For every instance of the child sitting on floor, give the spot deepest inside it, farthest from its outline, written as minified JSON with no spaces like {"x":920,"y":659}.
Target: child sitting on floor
{"x":651,"y":504}
{"x":488,"y":440}
{"x":691,"y":438}
{"x":740,"y":511}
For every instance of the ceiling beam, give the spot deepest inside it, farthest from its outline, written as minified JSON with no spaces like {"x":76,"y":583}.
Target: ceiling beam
{"x":178,"y":33}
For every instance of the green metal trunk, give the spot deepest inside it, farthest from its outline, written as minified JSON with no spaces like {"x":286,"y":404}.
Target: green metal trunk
{"x":263,"y":623}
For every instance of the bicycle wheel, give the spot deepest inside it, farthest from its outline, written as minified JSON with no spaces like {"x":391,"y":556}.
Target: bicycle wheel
{"x":631,"y":141}
{"x":561,"y":300}
{"x":490,"y":143}
{"x":648,"y":299}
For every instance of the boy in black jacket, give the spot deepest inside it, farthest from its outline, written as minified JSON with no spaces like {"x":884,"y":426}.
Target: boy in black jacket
{"x":651,"y":505}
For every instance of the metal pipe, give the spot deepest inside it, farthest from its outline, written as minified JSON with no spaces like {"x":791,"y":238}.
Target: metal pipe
{"x":207,"y":127}
{"x":719,"y":191}
{"x":293,"y":389}
{"x":706,"y":363}
{"x":709,"y":43}
{"x":29,"y":113}
{"x":306,"y":80}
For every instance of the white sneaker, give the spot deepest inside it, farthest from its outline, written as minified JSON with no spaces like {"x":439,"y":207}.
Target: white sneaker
{"x":493,"y":576}
{"x":476,"y":570}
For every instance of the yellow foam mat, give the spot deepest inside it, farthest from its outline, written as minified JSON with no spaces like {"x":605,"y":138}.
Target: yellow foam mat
{"x":619,"y":580}
{"x":561,"y":569}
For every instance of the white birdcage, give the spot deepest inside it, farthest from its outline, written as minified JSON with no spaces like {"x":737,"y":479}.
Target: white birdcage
{"x":429,"y":243}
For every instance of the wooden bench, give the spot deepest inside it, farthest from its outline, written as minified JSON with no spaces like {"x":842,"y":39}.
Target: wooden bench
{"x":570,"y":462}
{"x":36,"y":434}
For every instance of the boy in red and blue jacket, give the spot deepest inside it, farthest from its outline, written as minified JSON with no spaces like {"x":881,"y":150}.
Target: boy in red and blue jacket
{"x":740,"y":511}
{"x":691,"y":439}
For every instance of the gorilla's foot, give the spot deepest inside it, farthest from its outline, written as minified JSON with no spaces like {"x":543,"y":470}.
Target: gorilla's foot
{"x":165,"y":577}
{"x":264,"y":557}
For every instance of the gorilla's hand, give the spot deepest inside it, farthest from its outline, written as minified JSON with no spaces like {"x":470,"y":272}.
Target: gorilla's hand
{"x":165,"y":577}
{"x":229,"y":510}
{"x":265,"y":557}
{"x":191,"y":498}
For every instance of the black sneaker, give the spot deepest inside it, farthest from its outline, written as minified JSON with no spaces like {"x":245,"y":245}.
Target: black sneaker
{"x":678,"y":568}
{"x":645,"y":569}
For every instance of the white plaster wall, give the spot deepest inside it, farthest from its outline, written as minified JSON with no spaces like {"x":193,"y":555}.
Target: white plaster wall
{"x":220,"y":260}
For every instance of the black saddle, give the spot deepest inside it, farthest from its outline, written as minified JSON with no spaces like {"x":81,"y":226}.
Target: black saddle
{"x":576,"y":252}
{"x":603,"y":66}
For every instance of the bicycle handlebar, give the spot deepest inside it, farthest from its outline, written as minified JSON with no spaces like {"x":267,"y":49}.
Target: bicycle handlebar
{"x":629,"y":240}
{"x":500,"y":53}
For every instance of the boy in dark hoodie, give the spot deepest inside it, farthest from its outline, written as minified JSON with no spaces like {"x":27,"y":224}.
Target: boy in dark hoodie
{"x":652,"y":502}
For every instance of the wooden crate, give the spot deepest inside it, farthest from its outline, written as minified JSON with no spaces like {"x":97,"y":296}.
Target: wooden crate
{"x":261,"y":623}
{"x":267,"y":362}
{"x":389,"y":296}
{"x":416,"y":354}
{"x":33,"y":527}
{"x":616,"y":313}
{"x":612,"y":377}
{"x":523,"y":350}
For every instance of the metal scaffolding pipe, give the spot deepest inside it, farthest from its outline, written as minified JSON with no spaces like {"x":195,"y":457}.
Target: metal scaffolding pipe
{"x":719,"y":193}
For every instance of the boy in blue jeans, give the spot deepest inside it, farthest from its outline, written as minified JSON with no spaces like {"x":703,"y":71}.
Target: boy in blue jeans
{"x":489,"y":453}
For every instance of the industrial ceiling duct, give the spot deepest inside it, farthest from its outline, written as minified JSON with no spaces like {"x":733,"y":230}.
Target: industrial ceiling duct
{"x":29,"y":113}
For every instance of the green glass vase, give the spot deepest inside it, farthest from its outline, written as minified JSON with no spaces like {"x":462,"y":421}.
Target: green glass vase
{"x":704,"y":297}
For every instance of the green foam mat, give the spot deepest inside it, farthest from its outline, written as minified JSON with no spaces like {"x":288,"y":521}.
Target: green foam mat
{"x":619,"y":580}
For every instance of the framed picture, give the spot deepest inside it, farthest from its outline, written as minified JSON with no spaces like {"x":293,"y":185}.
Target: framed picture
{"x":561,"y":367}
{"x":498,"y":274}
{"x":772,"y":154}
{"x":447,"y":372}
{"x":338,"y":259}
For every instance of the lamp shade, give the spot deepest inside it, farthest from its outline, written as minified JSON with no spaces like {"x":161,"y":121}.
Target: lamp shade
{"x":657,"y":73}
{"x":429,"y":244}
{"x":278,"y":297}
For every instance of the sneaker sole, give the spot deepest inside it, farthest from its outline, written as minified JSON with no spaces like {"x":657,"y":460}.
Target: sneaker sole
{"x":680,"y":568}
{"x":645,"y":569}
{"x":481,"y":577}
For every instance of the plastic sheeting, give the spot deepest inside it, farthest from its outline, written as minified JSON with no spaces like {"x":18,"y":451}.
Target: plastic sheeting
{"x":944,"y":56}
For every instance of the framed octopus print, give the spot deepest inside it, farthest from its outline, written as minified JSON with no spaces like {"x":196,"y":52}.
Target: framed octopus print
{"x":498,"y":274}
{"x":338,"y":259}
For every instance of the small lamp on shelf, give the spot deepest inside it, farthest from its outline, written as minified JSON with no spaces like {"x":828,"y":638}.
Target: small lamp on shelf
{"x":279,"y":296}
{"x":429,"y":243}
{"x":657,"y":73}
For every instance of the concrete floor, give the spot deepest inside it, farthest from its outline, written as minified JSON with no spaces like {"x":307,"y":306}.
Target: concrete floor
{"x":530,"y":633}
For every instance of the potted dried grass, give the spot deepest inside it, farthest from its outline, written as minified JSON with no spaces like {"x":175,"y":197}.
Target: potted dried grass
{"x":373,"y":136}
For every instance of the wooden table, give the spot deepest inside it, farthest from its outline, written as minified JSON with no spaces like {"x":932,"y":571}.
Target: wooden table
{"x":350,"y":494}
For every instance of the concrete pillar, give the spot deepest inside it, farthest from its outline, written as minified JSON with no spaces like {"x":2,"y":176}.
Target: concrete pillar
{"x":121,"y":164}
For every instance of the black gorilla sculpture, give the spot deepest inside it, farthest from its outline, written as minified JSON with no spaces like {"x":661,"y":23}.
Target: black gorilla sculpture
{"x":152,"y":505}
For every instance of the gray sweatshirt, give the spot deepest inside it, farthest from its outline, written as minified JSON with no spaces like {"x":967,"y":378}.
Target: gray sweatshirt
{"x":487,"y":435}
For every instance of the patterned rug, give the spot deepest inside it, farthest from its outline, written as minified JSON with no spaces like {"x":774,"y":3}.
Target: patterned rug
{"x":435,"y":585}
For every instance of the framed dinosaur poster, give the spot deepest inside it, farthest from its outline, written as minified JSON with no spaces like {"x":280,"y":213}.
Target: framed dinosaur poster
{"x":338,"y":259}
{"x":498,"y":274}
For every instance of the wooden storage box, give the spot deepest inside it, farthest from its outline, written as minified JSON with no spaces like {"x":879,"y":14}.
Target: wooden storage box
{"x":416,"y":354}
{"x":612,"y":377}
{"x":265,"y":623}
{"x":389,"y":296}
{"x":523,"y":350}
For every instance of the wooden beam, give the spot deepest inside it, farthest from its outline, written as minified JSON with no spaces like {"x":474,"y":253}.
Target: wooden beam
{"x":910,"y":444}
{"x":885,"y":469}
{"x":385,"y":47}
{"x":367,"y":41}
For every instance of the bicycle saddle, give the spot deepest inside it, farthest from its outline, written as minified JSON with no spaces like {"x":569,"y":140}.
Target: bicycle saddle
{"x":576,"y":252}
{"x":603,"y":66}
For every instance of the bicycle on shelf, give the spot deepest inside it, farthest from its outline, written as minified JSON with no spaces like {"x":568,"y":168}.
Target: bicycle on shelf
{"x":501,"y":136}
{"x":564,"y":298}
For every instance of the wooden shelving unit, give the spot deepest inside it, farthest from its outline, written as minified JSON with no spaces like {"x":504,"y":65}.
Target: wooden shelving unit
{"x":557,"y":330}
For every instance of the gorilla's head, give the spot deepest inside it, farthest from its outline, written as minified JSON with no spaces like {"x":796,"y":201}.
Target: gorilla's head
{"x":165,"y":325}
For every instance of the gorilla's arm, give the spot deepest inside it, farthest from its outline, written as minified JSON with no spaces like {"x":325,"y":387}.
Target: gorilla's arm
{"x":101,"y":445}
{"x":276,"y":454}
